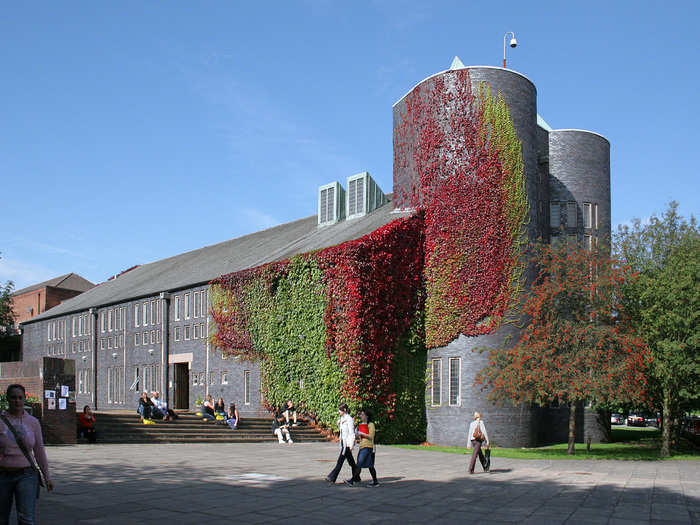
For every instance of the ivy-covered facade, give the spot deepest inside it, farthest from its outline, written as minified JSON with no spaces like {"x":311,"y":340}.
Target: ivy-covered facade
{"x":388,"y":309}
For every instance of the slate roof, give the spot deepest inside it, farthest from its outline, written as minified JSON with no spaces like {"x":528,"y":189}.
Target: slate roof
{"x":69,"y":281}
{"x":201,"y":266}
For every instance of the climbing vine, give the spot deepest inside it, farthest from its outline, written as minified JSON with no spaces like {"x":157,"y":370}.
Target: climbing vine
{"x":471,"y":187}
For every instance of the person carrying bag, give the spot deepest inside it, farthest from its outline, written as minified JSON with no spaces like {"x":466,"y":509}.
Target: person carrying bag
{"x":23,"y":464}
{"x":478,"y":438}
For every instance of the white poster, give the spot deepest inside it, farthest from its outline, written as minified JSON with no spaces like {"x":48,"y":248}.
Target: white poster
{"x":49,"y":394}
{"x":62,"y":403}
{"x":64,"y":391}
{"x":52,"y":404}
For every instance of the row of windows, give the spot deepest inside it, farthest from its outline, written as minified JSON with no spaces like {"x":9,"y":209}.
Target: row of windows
{"x":589,"y":241}
{"x":194,"y":306}
{"x":147,"y":313}
{"x":83,"y":377}
{"x":454,"y":382}
{"x":115,"y":385}
{"x":146,"y":378}
{"x":112,"y":319}
{"x":80,"y":325}
{"x":56,"y":330}
{"x":112,"y":342}
{"x":152,"y":337}
{"x":565,"y":214}
{"x":59,"y":349}
{"x":195,"y":331}
{"x":81,"y":346}
{"x":200,"y":379}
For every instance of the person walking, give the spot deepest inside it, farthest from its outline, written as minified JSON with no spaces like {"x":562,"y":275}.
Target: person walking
{"x":347,"y":440}
{"x":23,"y":462}
{"x":477,"y":438}
{"x":365,"y":457}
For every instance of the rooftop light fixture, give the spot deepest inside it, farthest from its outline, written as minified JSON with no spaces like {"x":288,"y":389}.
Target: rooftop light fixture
{"x":513,"y":43}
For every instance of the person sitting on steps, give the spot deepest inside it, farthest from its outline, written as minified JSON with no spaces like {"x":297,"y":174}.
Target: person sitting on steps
{"x":232,"y":417}
{"x":160,"y":408}
{"x":86,"y":422}
{"x":288,"y":411}
{"x":208,"y":413}
{"x":281,"y":428}
{"x":145,"y":408}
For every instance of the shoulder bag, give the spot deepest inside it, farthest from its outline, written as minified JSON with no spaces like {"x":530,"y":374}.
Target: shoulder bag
{"x":478,"y":434}
{"x":27,"y":453}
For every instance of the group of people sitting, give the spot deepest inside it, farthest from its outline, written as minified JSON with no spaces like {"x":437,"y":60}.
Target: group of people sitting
{"x":154,"y":407}
{"x":218,"y":412}
{"x":281,"y":422}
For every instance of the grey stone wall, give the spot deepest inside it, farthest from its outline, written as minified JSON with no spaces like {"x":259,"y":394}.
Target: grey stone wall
{"x":579,"y":164}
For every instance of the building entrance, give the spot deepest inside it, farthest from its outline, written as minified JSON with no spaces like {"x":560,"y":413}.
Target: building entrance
{"x":182,"y":386}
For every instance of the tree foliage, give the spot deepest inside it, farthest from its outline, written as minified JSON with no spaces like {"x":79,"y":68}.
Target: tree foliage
{"x":577,"y":345}
{"x":664,"y":306}
{"x":7,"y":316}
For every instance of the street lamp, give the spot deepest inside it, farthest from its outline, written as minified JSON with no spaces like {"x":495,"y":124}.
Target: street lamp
{"x":513,"y":43}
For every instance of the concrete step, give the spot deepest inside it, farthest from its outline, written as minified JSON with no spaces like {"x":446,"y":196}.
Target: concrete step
{"x":126,"y":427}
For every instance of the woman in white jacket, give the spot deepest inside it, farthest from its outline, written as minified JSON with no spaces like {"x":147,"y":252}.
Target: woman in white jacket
{"x":475,"y":443}
{"x":347,"y":441}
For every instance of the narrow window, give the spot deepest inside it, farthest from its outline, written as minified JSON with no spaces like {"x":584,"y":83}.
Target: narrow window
{"x":137,"y":339}
{"x":177,"y":307}
{"x":158,"y":303}
{"x":224,"y":377}
{"x":455,"y":381}
{"x":202,"y":330}
{"x":187,"y":332}
{"x":571,"y":215}
{"x":554,"y":214}
{"x":137,"y":315}
{"x":110,"y":385}
{"x":246,"y":387}
{"x":595,"y":212}
{"x":204,"y":303}
{"x":109,"y":320}
{"x":195,"y":333}
{"x":187,"y":306}
{"x":196,"y":304}
{"x":144,"y":338}
{"x":436,"y":373}
{"x":587,"y":242}
{"x":144,"y":314}
{"x":178,"y":333}
{"x":587,"y":215}
{"x":153,"y":312}
{"x":153,"y":337}
{"x":73,"y":324}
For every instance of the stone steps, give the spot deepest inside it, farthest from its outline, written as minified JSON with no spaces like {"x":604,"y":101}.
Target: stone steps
{"x":126,"y":427}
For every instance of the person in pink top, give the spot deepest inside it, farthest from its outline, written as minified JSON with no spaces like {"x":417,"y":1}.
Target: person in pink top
{"x":18,"y":479}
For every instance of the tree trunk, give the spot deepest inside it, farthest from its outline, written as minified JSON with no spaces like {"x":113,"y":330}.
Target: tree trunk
{"x":667,"y":425}
{"x":572,"y":427}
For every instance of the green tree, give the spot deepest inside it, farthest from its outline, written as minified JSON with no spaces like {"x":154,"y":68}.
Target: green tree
{"x":7,"y":316}
{"x":664,"y":305}
{"x":576,"y":346}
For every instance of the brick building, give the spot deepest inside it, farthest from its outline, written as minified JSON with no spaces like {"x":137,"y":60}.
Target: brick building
{"x":33,"y":300}
{"x":147,"y":329}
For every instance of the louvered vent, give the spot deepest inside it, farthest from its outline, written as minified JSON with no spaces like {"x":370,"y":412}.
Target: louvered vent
{"x":331,"y":203}
{"x":364,"y":195}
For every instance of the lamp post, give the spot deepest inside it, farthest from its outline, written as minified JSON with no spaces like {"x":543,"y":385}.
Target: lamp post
{"x":513,"y":43}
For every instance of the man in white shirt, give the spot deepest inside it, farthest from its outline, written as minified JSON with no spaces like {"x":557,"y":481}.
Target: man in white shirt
{"x":347,"y":441}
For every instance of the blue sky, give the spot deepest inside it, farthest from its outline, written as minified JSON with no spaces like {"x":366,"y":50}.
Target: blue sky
{"x":133,"y":131}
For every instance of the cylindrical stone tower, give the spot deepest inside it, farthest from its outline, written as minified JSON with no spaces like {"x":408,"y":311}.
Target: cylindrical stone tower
{"x":452,"y":396}
{"x":579,"y":165}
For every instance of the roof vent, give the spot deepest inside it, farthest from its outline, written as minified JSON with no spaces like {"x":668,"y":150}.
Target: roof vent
{"x":364,"y":195}
{"x":331,"y":204}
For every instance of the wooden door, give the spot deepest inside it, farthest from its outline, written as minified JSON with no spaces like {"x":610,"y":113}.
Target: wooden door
{"x":182,"y":386}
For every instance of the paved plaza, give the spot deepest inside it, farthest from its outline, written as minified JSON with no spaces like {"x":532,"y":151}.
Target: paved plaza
{"x":269,"y":483}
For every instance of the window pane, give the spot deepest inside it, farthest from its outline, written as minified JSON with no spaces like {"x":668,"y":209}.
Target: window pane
{"x":571,"y":215}
{"x":436,"y":382}
{"x":587,"y":215}
{"x":454,"y":381}
{"x":554,"y":214}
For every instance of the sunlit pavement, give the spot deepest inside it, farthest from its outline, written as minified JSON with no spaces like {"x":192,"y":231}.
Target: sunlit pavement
{"x":271,"y":483}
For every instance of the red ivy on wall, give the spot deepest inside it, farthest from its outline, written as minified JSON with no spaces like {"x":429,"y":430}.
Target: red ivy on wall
{"x":373,"y":291}
{"x":473,"y":218}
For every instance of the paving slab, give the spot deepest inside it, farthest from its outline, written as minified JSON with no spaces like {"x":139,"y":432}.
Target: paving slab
{"x":264,"y":483}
